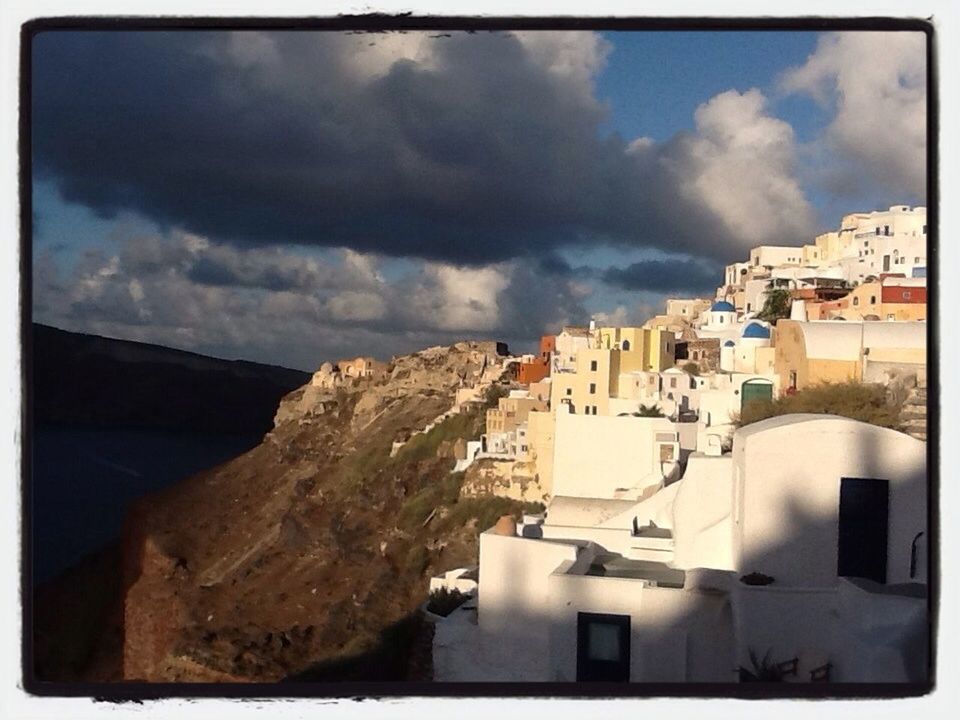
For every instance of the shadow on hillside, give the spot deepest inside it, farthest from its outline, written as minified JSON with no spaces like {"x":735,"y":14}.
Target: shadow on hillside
{"x":403,"y":652}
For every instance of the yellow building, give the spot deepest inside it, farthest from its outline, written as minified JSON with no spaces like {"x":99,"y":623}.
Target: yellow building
{"x":588,"y":387}
{"x":644,"y":348}
{"x":809,"y":353}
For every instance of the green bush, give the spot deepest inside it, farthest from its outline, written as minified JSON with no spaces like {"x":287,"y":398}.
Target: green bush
{"x":466,"y":425}
{"x":776,"y":306}
{"x":487,"y":510}
{"x":864,"y":402}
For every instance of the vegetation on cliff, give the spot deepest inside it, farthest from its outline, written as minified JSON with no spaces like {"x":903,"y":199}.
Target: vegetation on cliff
{"x":296,"y":558}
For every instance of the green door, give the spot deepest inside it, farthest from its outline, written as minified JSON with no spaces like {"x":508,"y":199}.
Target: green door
{"x":755,"y":391}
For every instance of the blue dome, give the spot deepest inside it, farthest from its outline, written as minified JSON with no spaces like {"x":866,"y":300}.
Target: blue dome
{"x":722,"y":306}
{"x":755,"y":330}
{"x":729,"y":343}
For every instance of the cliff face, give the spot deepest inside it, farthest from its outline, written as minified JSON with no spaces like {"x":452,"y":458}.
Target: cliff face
{"x":301,"y":552}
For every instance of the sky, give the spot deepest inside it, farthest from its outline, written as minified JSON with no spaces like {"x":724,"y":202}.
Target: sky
{"x":298,"y":197}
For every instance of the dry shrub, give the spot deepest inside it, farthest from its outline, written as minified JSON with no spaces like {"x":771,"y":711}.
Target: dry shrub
{"x":858,"y":401}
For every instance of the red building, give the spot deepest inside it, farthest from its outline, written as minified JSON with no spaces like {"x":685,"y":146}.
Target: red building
{"x":903,"y":294}
{"x":537,"y":370}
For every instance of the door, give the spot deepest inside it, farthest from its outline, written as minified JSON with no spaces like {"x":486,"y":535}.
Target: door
{"x":755,"y":392}
{"x":862,"y":538}
{"x":603,"y":648}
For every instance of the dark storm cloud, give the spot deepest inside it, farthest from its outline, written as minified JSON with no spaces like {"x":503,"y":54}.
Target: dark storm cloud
{"x":482,"y":155}
{"x":665,"y":276}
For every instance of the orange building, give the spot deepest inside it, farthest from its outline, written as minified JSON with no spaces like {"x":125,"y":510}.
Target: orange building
{"x":533,"y":372}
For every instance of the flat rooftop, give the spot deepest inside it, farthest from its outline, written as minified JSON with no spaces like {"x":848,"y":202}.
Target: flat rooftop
{"x":611,"y":565}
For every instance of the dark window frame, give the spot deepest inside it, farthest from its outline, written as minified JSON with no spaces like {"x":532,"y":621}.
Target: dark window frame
{"x":598,"y":670}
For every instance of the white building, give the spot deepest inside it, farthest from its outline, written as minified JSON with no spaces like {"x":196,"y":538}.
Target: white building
{"x":608,"y":456}
{"x":888,"y":241}
{"x":771,"y":256}
{"x":806,"y":542}
{"x":569,"y":341}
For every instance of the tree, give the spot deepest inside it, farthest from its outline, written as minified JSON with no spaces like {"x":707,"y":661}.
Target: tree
{"x":649,"y":411}
{"x":776,"y":306}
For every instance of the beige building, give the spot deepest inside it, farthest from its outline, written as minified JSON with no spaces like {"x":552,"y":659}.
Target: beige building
{"x":361,"y":367}
{"x":808,"y":353}
{"x":539,"y":448}
{"x":512,"y":411}
{"x":687,"y":308}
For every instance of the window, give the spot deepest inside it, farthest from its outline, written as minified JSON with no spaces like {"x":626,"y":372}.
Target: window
{"x":856,"y":301}
{"x":593,"y":365}
{"x":906,"y":294}
{"x":569,"y":391}
{"x":873,"y":299}
{"x":916,"y":259}
{"x":593,"y":388}
{"x":891,"y":316}
{"x":924,"y":229}
{"x":673,"y":382}
{"x":603,"y":647}
{"x":878,"y":230}
{"x":523,"y":448}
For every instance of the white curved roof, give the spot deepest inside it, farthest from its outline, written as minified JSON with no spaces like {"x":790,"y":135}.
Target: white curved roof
{"x":795,"y":419}
{"x":832,"y":340}
{"x":895,"y":335}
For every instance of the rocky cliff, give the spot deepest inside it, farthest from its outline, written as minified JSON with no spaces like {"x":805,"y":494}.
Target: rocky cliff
{"x":300,"y":557}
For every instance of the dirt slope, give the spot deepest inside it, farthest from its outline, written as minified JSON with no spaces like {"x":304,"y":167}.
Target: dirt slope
{"x":299,"y":554}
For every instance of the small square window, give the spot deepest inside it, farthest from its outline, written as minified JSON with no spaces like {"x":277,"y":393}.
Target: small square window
{"x":569,"y":391}
{"x":593,"y":365}
{"x":593,"y":388}
{"x":603,"y":642}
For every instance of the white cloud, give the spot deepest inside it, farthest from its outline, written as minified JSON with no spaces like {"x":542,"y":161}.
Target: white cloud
{"x":274,"y":305}
{"x":359,"y":306}
{"x":458,"y":298}
{"x":741,"y":165}
{"x":619,"y":317}
{"x":877,"y":81}
{"x":573,"y":56}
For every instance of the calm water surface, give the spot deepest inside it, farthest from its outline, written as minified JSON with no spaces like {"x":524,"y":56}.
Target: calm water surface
{"x":84,"y":480}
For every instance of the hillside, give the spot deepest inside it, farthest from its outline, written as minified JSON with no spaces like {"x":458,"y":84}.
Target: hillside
{"x":92,"y":381}
{"x":307,"y":557}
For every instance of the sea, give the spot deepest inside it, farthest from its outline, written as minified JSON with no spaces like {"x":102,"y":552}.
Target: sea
{"x":83,"y":480}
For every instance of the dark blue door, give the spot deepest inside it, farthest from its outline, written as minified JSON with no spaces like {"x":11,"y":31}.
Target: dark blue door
{"x":862,"y":541}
